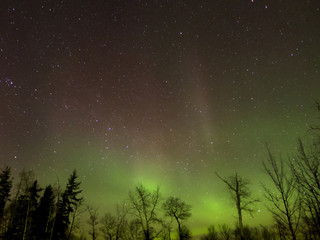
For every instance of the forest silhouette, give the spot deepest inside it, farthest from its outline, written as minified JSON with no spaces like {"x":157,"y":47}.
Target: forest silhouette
{"x":28,"y":211}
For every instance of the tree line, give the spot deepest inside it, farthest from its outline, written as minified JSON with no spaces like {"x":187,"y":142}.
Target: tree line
{"x":31,"y":212}
{"x":53,"y":215}
{"x":294,"y":198}
{"x":27,"y":215}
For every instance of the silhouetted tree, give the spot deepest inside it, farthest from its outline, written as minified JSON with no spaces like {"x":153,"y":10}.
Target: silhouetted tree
{"x":108,"y":227}
{"x":285,"y":200}
{"x":57,"y":192}
{"x":67,"y":205}
{"x":211,"y":235}
{"x":17,"y":223}
{"x":241,"y":195}
{"x":44,"y":214}
{"x":267,"y":233}
{"x":75,"y":224}
{"x":115,"y":227}
{"x":23,"y":207}
{"x":144,"y":204}
{"x":225,"y":231}
{"x":249,"y":233}
{"x":93,"y":221}
{"x":23,"y":211}
{"x":134,"y":230}
{"x":166,"y":230}
{"x":5,"y":188}
{"x":32,"y":198}
{"x":178,"y":210}
{"x":305,"y":167}
{"x":185,"y":233}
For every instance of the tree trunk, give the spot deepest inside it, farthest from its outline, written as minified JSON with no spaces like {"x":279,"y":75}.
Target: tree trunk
{"x":147,"y":235}
{"x":52,"y":227}
{"x":239,"y":208}
{"x":93,"y":233}
{"x":48,"y":221}
{"x":71,"y":227}
{"x":292,"y":231}
{"x":179,"y":229}
{"x":26,"y":222}
{"x":240,"y":223}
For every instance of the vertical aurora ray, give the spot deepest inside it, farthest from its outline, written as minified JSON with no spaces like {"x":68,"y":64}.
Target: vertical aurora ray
{"x":160,"y":94}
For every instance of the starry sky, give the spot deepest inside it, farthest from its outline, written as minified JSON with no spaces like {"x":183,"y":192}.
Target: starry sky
{"x":157,"y":92}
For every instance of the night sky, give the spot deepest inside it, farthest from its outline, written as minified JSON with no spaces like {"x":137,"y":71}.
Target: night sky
{"x":157,"y":92}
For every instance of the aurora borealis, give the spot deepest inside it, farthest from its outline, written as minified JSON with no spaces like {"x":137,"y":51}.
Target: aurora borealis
{"x":157,"y":92}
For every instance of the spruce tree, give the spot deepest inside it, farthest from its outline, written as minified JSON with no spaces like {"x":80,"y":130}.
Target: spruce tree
{"x":67,"y":205}
{"x":23,"y":212}
{"x":43,"y":221}
{"x":32,"y":199}
{"x":5,"y":188}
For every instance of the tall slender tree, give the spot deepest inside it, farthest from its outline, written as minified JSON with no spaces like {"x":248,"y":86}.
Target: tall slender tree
{"x":241,"y":195}
{"x":144,"y":205}
{"x":68,"y":203}
{"x":212,"y":234}
{"x":305,"y":166}
{"x":77,"y":211}
{"x":114,"y":227}
{"x":93,"y":221}
{"x":5,"y":188}
{"x":285,"y":200}
{"x":32,"y":198}
{"x":44,"y":215}
{"x":178,"y":210}
{"x":19,"y":205}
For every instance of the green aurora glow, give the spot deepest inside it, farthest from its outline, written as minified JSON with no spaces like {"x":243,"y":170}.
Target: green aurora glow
{"x":160,"y":94}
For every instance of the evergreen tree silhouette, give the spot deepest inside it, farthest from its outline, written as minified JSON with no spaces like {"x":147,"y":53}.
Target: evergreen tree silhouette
{"x":24,"y":213}
{"x":5,"y":188}
{"x":67,"y":205}
{"x":43,"y":223}
{"x":32,"y":206}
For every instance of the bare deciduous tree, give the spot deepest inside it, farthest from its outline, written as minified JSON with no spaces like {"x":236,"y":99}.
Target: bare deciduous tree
{"x":166,"y":230}
{"x":134,"y":230}
{"x":285,"y":200}
{"x":212,"y":234}
{"x":78,"y":210}
{"x":144,"y":206}
{"x":241,"y":195}
{"x":93,"y":221}
{"x":108,"y":226}
{"x":178,"y":210}
{"x":306,"y":170}
{"x":225,"y":231}
{"x":114,"y":227}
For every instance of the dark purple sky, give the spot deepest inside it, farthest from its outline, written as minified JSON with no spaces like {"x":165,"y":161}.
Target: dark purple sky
{"x":163,"y":92}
